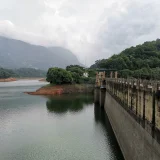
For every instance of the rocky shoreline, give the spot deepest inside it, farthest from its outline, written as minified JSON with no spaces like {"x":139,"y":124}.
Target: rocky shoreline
{"x":63,"y":89}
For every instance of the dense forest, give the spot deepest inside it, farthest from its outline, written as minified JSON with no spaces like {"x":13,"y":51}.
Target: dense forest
{"x":22,"y":72}
{"x":142,"y":61}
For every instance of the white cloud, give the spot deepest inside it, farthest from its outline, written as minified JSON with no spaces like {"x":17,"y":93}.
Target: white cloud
{"x":8,"y":29}
{"x":92,"y":29}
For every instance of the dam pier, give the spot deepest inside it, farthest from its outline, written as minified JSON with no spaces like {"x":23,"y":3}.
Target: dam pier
{"x":133,"y":108}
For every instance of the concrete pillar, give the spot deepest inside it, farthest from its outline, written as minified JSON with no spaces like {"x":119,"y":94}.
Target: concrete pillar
{"x":104,"y":75}
{"x":111,"y":75}
{"x":116,"y":75}
{"x":96,"y":95}
{"x":102,"y":96}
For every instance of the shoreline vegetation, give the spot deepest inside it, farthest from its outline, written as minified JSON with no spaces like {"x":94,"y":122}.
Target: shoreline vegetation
{"x":63,"y":89}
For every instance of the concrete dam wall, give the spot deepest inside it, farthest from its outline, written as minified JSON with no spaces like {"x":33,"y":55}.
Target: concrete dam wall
{"x":133,"y":108}
{"x":135,"y":142}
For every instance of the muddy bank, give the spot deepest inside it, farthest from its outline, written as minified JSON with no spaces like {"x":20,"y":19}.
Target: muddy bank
{"x":8,"y":80}
{"x":63,"y":89}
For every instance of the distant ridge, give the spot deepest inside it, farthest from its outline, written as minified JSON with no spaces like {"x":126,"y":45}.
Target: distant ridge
{"x":19,"y":54}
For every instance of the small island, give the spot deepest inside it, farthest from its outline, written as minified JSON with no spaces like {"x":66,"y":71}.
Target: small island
{"x":73,"y":79}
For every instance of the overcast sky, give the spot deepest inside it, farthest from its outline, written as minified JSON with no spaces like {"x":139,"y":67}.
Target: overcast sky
{"x":92,"y":29}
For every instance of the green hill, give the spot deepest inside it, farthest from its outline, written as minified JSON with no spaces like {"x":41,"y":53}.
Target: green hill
{"x":142,"y":61}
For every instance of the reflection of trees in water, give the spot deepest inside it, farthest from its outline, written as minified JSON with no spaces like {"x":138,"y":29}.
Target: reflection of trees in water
{"x":101,"y":117}
{"x":63,"y":103}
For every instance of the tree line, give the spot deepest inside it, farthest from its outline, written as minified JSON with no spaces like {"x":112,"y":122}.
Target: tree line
{"x":142,"y":61}
{"x":22,"y":72}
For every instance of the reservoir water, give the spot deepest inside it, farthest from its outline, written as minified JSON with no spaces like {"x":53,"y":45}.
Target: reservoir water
{"x":68,"y":127}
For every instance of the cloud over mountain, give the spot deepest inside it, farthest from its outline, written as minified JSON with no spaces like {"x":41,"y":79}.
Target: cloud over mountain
{"x":92,"y":29}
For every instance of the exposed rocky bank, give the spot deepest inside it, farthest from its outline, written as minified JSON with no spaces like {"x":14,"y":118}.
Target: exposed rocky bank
{"x":63,"y":89}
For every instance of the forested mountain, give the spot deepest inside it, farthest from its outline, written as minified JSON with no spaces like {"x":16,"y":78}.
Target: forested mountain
{"x":142,"y":61}
{"x":21,"y":73}
{"x":19,"y":54}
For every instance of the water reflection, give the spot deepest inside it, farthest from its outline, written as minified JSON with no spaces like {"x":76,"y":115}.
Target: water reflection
{"x":78,"y":131}
{"x":101,"y":118}
{"x":67,"y":103}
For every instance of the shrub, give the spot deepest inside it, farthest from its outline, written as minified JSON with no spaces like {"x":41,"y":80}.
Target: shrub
{"x":59,"y":76}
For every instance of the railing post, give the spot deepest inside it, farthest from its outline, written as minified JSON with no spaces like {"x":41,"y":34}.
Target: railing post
{"x":128,"y":95}
{"x":137,"y":93}
{"x":131,"y":93}
{"x":144,"y":109}
{"x":153,"y":112}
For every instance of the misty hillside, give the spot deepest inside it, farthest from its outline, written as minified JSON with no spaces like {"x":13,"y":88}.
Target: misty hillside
{"x":19,"y":54}
{"x":22,"y":73}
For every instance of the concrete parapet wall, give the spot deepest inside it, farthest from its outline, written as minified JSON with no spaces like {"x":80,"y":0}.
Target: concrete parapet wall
{"x":141,"y":97}
{"x":135,"y":142}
